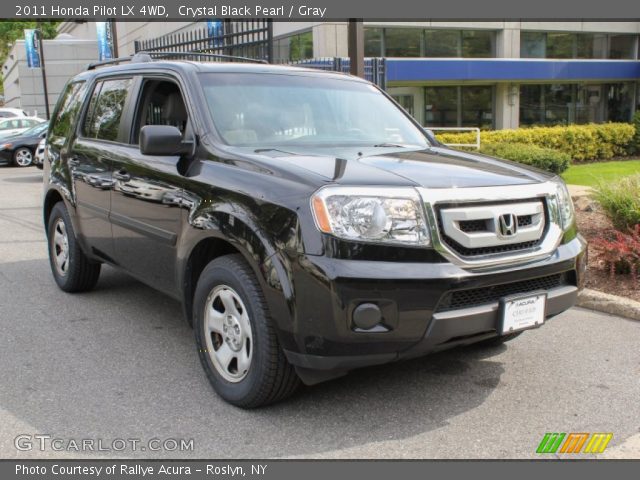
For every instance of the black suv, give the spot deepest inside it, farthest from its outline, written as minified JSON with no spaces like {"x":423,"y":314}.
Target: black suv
{"x":307,"y":224}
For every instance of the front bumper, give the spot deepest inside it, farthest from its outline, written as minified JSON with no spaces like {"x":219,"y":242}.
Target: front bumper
{"x":411,"y":297}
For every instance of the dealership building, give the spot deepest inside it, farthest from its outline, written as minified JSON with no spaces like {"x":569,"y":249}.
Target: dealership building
{"x":498,"y":75}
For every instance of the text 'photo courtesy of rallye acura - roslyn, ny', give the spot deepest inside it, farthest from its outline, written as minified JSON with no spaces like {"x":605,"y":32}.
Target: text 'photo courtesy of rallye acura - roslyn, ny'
{"x":308,"y":225}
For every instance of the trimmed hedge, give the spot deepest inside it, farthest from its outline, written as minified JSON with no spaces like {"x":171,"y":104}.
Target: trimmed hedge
{"x":580,"y":142}
{"x":543,"y":158}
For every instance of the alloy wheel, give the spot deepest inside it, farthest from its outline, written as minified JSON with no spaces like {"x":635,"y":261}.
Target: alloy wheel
{"x":228,"y":333}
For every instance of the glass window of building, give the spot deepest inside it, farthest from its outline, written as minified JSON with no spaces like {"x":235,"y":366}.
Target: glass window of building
{"x":294,"y":47}
{"x":477,"y":107}
{"x":562,"y":104}
{"x":588,"y":104}
{"x":406,"y":102}
{"x":561,"y":45}
{"x":373,"y":42}
{"x":441,"y":106}
{"x":546,"y":104}
{"x":622,"y":46}
{"x":468,"y":106}
{"x":577,"y":45}
{"x":591,"y":45}
{"x":533,"y":44}
{"x":441,"y":43}
{"x":478,"y":44}
{"x":531,"y":106}
{"x":403,"y":42}
{"x":619,"y":101}
{"x":416,"y":42}
{"x":558,"y":104}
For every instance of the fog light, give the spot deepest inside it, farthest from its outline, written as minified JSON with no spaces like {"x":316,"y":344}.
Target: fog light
{"x":366,"y":316}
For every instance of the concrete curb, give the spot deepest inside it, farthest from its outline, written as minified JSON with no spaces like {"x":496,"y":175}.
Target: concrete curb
{"x":612,"y":304}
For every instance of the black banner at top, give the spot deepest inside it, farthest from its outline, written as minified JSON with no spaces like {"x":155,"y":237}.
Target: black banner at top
{"x":322,"y":10}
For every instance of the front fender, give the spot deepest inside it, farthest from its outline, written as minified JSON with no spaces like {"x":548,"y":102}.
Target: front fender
{"x":268,"y":253}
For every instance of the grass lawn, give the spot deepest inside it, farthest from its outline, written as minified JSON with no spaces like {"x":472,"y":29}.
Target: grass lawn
{"x":592,"y":173}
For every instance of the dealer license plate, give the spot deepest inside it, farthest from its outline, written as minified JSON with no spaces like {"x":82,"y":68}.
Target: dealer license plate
{"x":520,"y":313}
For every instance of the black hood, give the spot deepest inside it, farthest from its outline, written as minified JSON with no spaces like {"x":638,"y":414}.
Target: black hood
{"x":437,"y":167}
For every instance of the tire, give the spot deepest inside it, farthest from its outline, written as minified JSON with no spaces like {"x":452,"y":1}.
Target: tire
{"x":245,"y":365}
{"x":499,"y":340}
{"x":78,"y":273}
{"x":23,"y":157}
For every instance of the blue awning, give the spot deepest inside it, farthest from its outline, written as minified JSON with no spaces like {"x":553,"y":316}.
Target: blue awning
{"x":511,"y":69}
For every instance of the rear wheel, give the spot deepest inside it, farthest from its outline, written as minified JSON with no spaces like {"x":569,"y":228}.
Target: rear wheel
{"x":23,"y":157}
{"x":236,"y":340}
{"x":72,"y":270}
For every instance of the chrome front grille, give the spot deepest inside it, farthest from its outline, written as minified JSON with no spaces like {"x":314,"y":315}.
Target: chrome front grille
{"x":486,"y":227}
{"x":472,"y":230}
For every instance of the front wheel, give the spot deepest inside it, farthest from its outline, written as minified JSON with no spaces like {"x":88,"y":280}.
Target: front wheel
{"x":23,"y":157}
{"x":236,"y":340}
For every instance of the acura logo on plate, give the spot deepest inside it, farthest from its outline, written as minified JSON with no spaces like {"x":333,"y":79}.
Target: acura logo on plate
{"x":508,"y":225}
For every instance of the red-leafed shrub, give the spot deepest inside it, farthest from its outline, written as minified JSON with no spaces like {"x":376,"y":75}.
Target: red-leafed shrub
{"x":620,"y":252}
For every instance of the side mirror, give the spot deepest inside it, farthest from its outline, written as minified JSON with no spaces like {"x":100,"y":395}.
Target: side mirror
{"x":163,"y":140}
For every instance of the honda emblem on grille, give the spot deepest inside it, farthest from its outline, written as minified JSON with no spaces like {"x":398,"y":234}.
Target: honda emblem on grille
{"x":508,"y":225}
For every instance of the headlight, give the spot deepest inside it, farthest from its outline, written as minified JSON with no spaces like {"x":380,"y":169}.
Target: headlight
{"x":371,"y":215}
{"x":5,"y":146}
{"x":565,"y":204}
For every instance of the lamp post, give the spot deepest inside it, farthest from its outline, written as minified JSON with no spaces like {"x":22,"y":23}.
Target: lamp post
{"x":114,"y":37}
{"x":356,"y":47}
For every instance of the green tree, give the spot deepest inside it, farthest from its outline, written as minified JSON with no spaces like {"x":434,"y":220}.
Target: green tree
{"x":12,"y":30}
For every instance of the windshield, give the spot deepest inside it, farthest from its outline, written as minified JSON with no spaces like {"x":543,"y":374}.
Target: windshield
{"x":270,"y":110}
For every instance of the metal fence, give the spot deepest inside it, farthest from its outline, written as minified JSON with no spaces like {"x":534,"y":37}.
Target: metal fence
{"x":374,"y":68}
{"x":248,"y":38}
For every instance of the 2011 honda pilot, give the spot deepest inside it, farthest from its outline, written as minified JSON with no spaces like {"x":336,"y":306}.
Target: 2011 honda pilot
{"x":307,"y":224}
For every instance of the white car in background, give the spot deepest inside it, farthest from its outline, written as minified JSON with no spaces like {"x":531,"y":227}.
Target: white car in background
{"x":38,"y":159}
{"x":12,"y":126}
{"x":7,"y":112}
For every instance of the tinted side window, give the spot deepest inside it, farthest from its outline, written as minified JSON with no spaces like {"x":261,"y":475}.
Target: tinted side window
{"x":65,"y":116}
{"x":104,"y":122}
{"x":161,"y":103}
{"x":88,"y":129}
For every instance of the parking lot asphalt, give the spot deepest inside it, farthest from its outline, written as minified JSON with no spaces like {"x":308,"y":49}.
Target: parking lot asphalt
{"x":120,"y":363}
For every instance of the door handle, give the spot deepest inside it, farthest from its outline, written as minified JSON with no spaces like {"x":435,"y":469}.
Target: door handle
{"x":122,"y":175}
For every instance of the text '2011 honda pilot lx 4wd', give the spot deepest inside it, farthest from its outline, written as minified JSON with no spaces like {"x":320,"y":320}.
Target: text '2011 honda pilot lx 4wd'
{"x":308,"y":225}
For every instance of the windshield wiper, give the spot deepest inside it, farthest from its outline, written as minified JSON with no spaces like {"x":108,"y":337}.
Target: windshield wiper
{"x":390,"y":145}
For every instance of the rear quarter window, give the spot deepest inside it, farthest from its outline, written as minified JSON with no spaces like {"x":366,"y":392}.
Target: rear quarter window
{"x":67,"y":110}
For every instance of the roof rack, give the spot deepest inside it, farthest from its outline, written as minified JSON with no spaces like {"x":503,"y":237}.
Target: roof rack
{"x":113,"y":61}
{"x":150,"y":56}
{"x":201,"y":55}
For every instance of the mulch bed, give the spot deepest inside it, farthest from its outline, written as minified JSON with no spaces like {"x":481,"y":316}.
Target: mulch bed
{"x":592,"y":225}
